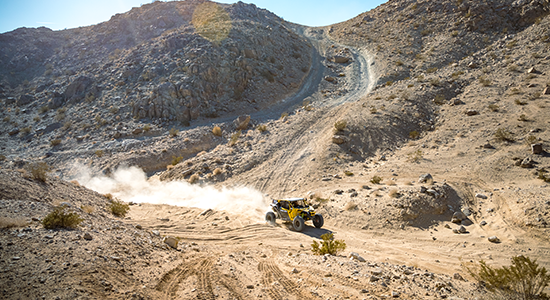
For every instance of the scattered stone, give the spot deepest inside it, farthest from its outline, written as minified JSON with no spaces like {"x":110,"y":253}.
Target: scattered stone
{"x":171,"y":241}
{"x":493,"y":239}
{"x":16,"y":258}
{"x":395,"y":294}
{"x":472,"y":65}
{"x":488,"y":146}
{"x":481,"y":196}
{"x":364,"y":291}
{"x":532,"y":71}
{"x":483,"y":223}
{"x":326,"y":179}
{"x":462,"y":229}
{"x":339,"y":139}
{"x":138,"y":227}
{"x":374,"y":278}
{"x":87,"y":236}
{"x":546,"y":91}
{"x":115,"y":258}
{"x":457,"y":276}
{"x":536,"y":148}
{"x":458,"y":217}
{"x":330,"y":79}
{"x":455,"y":230}
{"x":242,"y":122}
{"x":155,"y":232}
{"x":204,"y":212}
{"x":295,"y":271}
{"x":137,"y":131}
{"x":338,"y":192}
{"x":471,"y":112}
{"x":356,"y":256}
{"x":250,"y":286}
{"x":340,"y":59}
{"x":426,"y":178}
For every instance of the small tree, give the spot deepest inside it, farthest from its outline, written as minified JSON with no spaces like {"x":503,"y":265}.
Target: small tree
{"x":60,"y":218}
{"x":328,"y":246}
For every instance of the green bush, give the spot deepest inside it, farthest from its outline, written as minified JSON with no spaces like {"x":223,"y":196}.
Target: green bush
{"x":55,"y":142}
{"x":504,"y":135}
{"x":521,"y":280}
{"x":61,"y":218}
{"x":38,"y":170}
{"x":415,"y":156}
{"x":376,"y":179}
{"x":173,"y":132}
{"x":176,"y":160}
{"x":234,"y":138}
{"x":328,"y":246}
{"x":262,"y":128}
{"x":413,"y":135}
{"x":340,"y":125}
{"x":119,"y":208}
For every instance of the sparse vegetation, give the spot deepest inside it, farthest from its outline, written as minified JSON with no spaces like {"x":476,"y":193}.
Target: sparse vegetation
{"x":534,"y":96}
{"x":176,"y":160}
{"x":519,"y":102}
{"x":328,"y":246}
{"x":146,"y":127}
{"x":99,"y":153}
{"x":262,"y":128}
{"x":234,"y":138}
{"x":173,"y":132}
{"x":415,"y":156}
{"x":543,"y":176}
{"x":340,"y":125}
{"x":38,"y":170}
{"x":119,"y":208}
{"x":55,"y":142}
{"x":484,"y":81}
{"x":493,"y":107}
{"x":376,"y":179}
{"x":523,"y":118}
{"x":43,"y":109}
{"x":504,"y":135}
{"x":413,"y":135}
{"x":284,"y":115}
{"x":194,"y":178}
{"x":523,"y":279}
{"x":61,"y":217}
{"x":531,"y":139}
{"x":217,"y":131}
{"x":87,"y":209}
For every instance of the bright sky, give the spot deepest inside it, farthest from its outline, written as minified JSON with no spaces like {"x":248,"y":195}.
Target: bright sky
{"x":61,"y":14}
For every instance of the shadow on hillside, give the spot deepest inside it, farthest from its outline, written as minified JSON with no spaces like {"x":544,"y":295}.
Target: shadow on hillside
{"x":315,"y":232}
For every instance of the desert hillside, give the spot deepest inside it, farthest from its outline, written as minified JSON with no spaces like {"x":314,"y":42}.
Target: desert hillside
{"x":418,"y":129}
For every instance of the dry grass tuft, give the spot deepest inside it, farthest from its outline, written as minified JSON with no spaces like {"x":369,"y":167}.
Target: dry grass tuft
{"x":7,"y":222}
{"x":217,"y":131}
{"x":194,"y":178}
{"x":350,"y":206}
{"x":394,"y":193}
{"x":88,"y":209}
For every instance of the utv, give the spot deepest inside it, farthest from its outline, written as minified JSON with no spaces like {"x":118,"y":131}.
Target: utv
{"x":295,"y":210}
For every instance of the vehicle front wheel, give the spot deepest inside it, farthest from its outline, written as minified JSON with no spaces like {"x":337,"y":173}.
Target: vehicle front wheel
{"x":270,"y":217}
{"x":298,"y":223}
{"x":318,"y":221}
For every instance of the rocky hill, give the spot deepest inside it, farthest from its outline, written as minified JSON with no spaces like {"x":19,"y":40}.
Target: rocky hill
{"x":419,"y":130}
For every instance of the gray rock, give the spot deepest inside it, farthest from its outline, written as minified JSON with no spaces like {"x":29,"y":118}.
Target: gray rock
{"x":493,"y":239}
{"x":374,"y":278}
{"x":536,"y":148}
{"x":527,"y":163}
{"x":171,"y":241}
{"x":426,"y":178}
{"x":457,"y":276}
{"x":340,"y":59}
{"x":471,"y":112}
{"x":138,"y":226}
{"x":295,"y":271}
{"x":458,"y":217}
{"x":339,"y":139}
{"x":242,"y":122}
{"x":87,"y":236}
{"x":155,"y":232}
{"x":395,"y":294}
{"x":462,"y":229}
{"x":356,"y":256}
{"x":24,"y":100}
{"x":338,"y":192}
{"x":481,"y":196}
{"x":483,"y":223}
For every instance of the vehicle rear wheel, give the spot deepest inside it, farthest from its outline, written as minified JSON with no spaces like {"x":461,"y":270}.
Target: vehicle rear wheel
{"x":298,"y":223}
{"x":270,"y":217}
{"x":318,"y":221}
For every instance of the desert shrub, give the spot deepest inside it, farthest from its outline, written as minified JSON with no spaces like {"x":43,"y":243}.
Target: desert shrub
{"x":454,"y":33}
{"x":523,"y":279}
{"x":543,"y":176}
{"x":43,"y":109}
{"x":2,"y":157}
{"x":109,"y":196}
{"x":399,"y":63}
{"x":493,"y":107}
{"x":38,"y":170}
{"x":113,"y":110}
{"x":55,"y":142}
{"x":284,"y":115}
{"x":87,"y":209}
{"x":7,"y":222}
{"x":99,"y":153}
{"x":26,"y":130}
{"x":262,"y":128}
{"x":504,"y":135}
{"x":350,"y":206}
{"x":146,"y":127}
{"x":217,"y":171}
{"x":328,"y":246}
{"x":534,"y":96}
{"x":415,"y":156}
{"x":435,"y":81}
{"x":425,"y":32}
{"x":414,"y":135}
{"x":119,"y":208}
{"x":217,"y":131}
{"x":340,"y":125}
{"x":457,"y":74}
{"x":389,"y":83}
{"x":194,"y":178}
{"x":513,"y":68}
{"x":176,"y":160}
{"x":439,"y":99}
{"x":394,"y":193}
{"x":523,"y":118}
{"x":431,"y":70}
{"x":173,"y":132}
{"x":376,"y":179}
{"x":61,"y":217}
{"x":67,"y":125}
{"x":484,"y":81}
{"x":234,"y":138}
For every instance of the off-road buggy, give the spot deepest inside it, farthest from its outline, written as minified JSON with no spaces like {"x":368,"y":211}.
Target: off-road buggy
{"x":295,"y":210}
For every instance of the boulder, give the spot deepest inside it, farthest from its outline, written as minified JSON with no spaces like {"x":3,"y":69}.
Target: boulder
{"x":546,"y":91}
{"x":340,"y":59}
{"x":462,"y":229}
{"x":493,"y":239}
{"x":537,"y":148}
{"x":426,"y":178}
{"x":339,"y":139}
{"x":527,"y":163}
{"x":241,"y":122}
{"x":24,"y":100}
{"x":356,"y":256}
{"x":458,"y":217}
{"x":171,"y":241}
{"x":77,"y":89}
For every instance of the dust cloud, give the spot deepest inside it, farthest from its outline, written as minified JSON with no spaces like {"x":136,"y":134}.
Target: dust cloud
{"x":130,"y":184}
